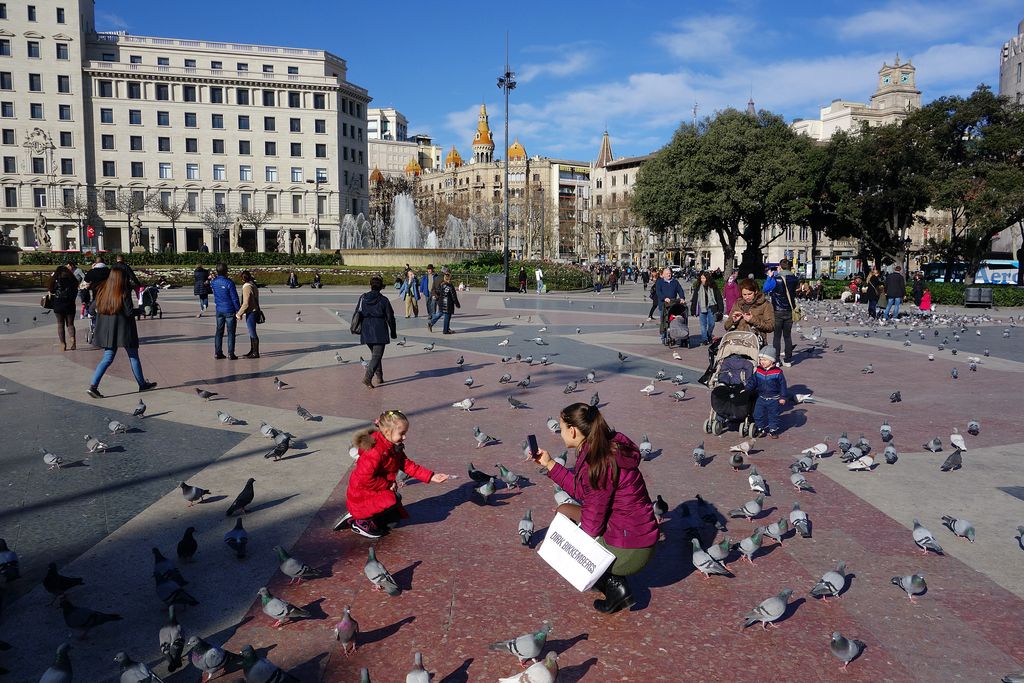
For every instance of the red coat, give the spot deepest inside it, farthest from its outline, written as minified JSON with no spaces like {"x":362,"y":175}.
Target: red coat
{"x":372,"y":480}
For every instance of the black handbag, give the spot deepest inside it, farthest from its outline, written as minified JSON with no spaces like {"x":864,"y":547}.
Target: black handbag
{"x":357,"y":319}
{"x":47,"y":300}
{"x":260,"y":318}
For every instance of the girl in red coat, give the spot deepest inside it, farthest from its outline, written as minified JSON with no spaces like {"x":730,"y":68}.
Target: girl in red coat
{"x":372,"y":500}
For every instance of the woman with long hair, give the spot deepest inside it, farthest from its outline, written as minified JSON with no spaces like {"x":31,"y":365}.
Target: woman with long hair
{"x":376,"y":330}
{"x":615,"y":507}
{"x":249,"y":310}
{"x":115,"y":328}
{"x":64,"y":290}
{"x":706,"y":304}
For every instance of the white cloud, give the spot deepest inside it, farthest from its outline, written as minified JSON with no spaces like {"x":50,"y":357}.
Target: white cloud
{"x":112,"y":21}
{"x":941,"y":68}
{"x":570,"y":63}
{"x":909,"y":19}
{"x":703,"y":38}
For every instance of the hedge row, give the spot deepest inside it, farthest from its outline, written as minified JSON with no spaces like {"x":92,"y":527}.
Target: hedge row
{"x":944,"y":293}
{"x":49,"y":258}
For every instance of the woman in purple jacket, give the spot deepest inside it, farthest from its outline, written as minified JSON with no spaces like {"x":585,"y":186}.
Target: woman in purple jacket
{"x":615,"y":507}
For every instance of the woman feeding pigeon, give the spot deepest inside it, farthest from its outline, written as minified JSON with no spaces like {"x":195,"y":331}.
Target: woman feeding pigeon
{"x":615,"y":507}
{"x":372,"y":501}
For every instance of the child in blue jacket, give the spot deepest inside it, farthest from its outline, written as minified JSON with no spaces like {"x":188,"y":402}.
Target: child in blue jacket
{"x":770,"y":385}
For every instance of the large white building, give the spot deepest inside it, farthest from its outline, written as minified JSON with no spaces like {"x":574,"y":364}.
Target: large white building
{"x":1011,"y":65}
{"x":273,"y":136}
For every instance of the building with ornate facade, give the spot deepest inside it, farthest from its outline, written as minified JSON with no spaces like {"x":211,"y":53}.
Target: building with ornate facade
{"x":221,"y":131}
{"x":1011,"y":65}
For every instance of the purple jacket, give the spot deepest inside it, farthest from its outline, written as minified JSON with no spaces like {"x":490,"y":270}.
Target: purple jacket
{"x":622,"y":515}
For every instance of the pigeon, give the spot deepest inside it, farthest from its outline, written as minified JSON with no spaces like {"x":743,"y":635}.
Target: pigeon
{"x":645,"y":447}
{"x":237,"y":539}
{"x":863,"y":463}
{"x":94,"y":445}
{"x":973,"y":427}
{"x":418,"y":674}
{"x":465,"y":404}
{"x":868,"y":369}
{"x":294,"y":568}
{"x":749,"y":510}
{"x":771,"y":609}
{"x":569,"y":388}
{"x":468,"y":382}
{"x":844,"y":649}
{"x":777,"y":530}
{"x":622,"y":357}
{"x":261,"y":670}
{"x":379,"y":576}
{"x":280,"y":384}
{"x":720,"y":551}
{"x":187,"y":546}
{"x":268,"y":431}
{"x":60,"y":671}
{"x":242,"y":500}
{"x":165,"y":568}
{"x":525,"y":647}
{"x":485,"y":489}
{"x":960,"y":527}
{"x":82,"y":619}
{"x":831,"y":583}
{"x":553,"y":425}
{"x":953,"y":462}
{"x":226,"y":418}
{"x":365,"y":363}
{"x":460,"y":361}
{"x":505,"y":379}
{"x":743,"y":448}
{"x":402,"y":342}
{"x":895,"y":397}
{"x":345,"y":631}
{"x":528,"y":360}
{"x":280,"y":610}
{"x":595,"y":400}
{"x":885,"y":431}
{"x":757,"y":482}
{"x":503,"y":342}
{"x":660,"y":509}
{"x":678,"y":379}
{"x":55,"y":583}
{"x":800,"y":481}
{"x":924,"y":539}
{"x":429,"y":347}
{"x":804,"y":398}
{"x":205,"y":395}
{"x":838,"y":349}
{"x":798,"y":518}
{"x":140,"y":409}
{"x":117,"y":427}
{"x":750,"y":545}
{"x":524,"y":383}
{"x":510,"y":478}
{"x":931,"y":356}
{"x":912,"y":585}
{"x":591,"y":376}
{"x":954,"y":373}
{"x":704,"y":563}
{"x":699,"y":455}
{"x":515,"y":404}
{"x":341,"y":361}
{"x":303,"y":413}
{"x":544,"y":671}
{"x":563,"y":497}
{"x":648,"y":390}
{"x":526,"y":527}
{"x":481,"y":438}
{"x":935,"y":445}
{"x":280,"y":447}
{"x":956,"y":439}
{"x":209,"y":658}
{"x":890,"y":454}
{"x":192,"y":493}
{"x":135,"y":672}
{"x":172,"y":643}
{"x":52,"y":462}
{"x":660,"y":375}
{"x":817,"y":450}
{"x":863,"y":444}
{"x":736,"y":461}
{"x":579,"y":330}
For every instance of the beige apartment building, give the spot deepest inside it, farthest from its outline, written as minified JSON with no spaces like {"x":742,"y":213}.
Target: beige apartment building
{"x":204,"y":134}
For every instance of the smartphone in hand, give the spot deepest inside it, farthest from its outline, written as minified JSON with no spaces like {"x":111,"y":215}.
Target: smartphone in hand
{"x":534,"y":448}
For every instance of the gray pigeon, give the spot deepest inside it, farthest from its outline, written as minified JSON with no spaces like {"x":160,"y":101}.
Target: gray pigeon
{"x":569,"y":388}
{"x":750,"y":545}
{"x":282,"y":442}
{"x":52,"y":462}
{"x":280,"y":610}
{"x":465,"y":404}
{"x":935,"y":445}
{"x":481,"y":438}
{"x":798,"y":518}
{"x":226,"y":418}
{"x":294,"y":568}
{"x":706,"y":564}
{"x":591,"y":375}
{"x":890,"y":454}
{"x":769,"y":610}
{"x":777,"y":530}
{"x":418,"y":674}
{"x":192,"y":493}
{"x":306,"y":416}
{"x":973,"y":427}
{"x":757,"y":482}
{"x":95,"y":445}
{"x":209,"y":658}
{"x":925,"y":540}
{"x":953,"y":461}
{"x":505,"y":378}
{"x":172,"y":642}
{"x":553,"y":426}
{"x":205,"y":395}
{"x":516,"y":404}
{"x":237,"y":539}
{"x":912,"y":585}
{"x":844,"y":443}
{"x":485,"y":490}
{"x":379,"y":575}
{"x":645,"y":447}
{"x":699,"y":455}
{"x":960,"y":527}
{"x":526,"y":527}
{"x":345,"y":631}
{"x":117,"y":427}
{"x":60,"y":672}
{"x":527,"y":646}
{"x":595,"y":400}
{"x":720,"y":551}
{"x":510,"y":478}
{"x":135,"y":672}
{"x":544,"y":671}
{"x":844,"y":649}
{"x":170,"y":591}
{"x":800,"y":482}
{"x":280,"y":384}
{"x":468,"y":381}
{"x":831,"y":583}
{"x":679,"y":395}
{"x":261,"y":670}
{"x":82,"y":619}
{"x":140,"y":409}
{"x":750,"y":509}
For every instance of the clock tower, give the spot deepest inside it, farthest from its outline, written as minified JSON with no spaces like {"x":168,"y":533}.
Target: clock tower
{"x":896,"y":88}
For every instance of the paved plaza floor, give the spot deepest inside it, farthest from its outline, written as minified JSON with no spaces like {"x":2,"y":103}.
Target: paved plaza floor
{"x":466,"y":580}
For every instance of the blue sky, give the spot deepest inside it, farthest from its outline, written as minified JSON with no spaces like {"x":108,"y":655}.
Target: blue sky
{"x":634,"y":67}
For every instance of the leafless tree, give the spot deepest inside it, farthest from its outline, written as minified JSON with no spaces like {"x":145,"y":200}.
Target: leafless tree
{"x":80,"y":209}
{"x":255,"y":218}
{"x":218,"y":221}
{"x":170,"y":210}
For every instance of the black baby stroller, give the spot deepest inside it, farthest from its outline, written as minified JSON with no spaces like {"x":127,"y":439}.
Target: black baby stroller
{"x":733,"y":358}
{"x":150,"y":308}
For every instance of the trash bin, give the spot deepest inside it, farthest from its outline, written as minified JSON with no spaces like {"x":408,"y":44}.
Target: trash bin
{"x":978,"y":296}
{"x":496,"y":282}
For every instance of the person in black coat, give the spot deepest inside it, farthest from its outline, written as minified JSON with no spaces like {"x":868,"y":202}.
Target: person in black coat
{"x":201,"y":288}
{"x":64,"y":290}
{"x":706,"y":304}
{"x":376,"y":329}
{"x":115,"y":327}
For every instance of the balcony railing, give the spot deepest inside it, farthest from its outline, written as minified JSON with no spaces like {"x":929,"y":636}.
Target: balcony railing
{"x":153,"y":69}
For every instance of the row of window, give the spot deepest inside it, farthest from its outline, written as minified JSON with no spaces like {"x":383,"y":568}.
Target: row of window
{"x":244,"y":122}
{"x":135,"y":144}
{"x":35,"y":82}
{"x":35,"y":110}
{"x":190,"y":93}
{"x":33,"y":50}
{"x":32,"y":14}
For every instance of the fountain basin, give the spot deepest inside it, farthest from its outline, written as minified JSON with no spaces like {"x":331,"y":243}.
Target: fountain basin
{"x":397,"y":258}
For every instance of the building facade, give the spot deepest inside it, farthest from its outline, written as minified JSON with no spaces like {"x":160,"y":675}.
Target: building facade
{"x":1011,"y":64}
{"x":386,"y":123}
{"x":182,"y":138}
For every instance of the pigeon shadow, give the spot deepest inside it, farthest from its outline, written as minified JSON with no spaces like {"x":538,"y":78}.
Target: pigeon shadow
{"x":269,"y":503}
{"x":791,"y":609}
{"x":134,"y":430}
{"x":378,"y":634}
{"x":311,"y":669}
{"x":561,"y":646}
{"x":165,"y":412}
{"x":849,"y":584}
{"x":708,"y":459}
{"x":403,"y":577}
{"x":435,"y":508}
{"x":299,"y":455}
{"x":114,"y":449}
{"x":460,"y":674}
{"x":576,"y":672}
{"x":653,"y":455}
{"x":211,"y":499}
{"x":239,"y":423}
{"x":315,"y":610}
{"x":74,"y":463}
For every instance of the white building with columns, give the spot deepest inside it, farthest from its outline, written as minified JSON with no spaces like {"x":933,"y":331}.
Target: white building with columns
{"x":228,"y":129}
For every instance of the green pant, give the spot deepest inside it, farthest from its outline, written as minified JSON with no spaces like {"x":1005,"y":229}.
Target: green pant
{"x":627,"y":560}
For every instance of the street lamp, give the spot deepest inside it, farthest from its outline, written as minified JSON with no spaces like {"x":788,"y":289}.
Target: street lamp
{"x":316,"y":201}
{"x":506,"y":82}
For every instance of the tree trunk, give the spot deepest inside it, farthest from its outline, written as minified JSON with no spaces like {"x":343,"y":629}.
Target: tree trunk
{"x":814,"y":253}
{"x":752,"y":262}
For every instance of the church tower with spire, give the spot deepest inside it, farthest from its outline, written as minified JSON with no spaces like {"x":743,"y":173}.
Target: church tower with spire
{"x":483,"y":143}
{"x":604,"y":156}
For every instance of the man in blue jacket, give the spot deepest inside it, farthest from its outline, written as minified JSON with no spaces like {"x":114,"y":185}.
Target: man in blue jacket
{"x":225,"y":297}
{"x":427,"y":284}
{"x":780,"y":287}
{"x":666,"y":290}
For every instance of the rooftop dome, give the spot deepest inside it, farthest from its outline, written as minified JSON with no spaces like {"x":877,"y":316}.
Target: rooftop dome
{"x":413,"y":167}
{"x":376,"y":176}
{"x":453,"y":158}
{"x":516,"y":152}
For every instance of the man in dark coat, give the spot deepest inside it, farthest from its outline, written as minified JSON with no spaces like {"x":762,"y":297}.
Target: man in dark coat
{"x":377,"y":328}
{"x":895,"y":290}
{"x":780,"y":286}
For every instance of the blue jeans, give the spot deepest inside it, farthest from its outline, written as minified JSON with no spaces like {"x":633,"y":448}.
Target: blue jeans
{"x":250,"y":324}
{"x":892,"y":308}
{"x":225,"y":320}
{"x":108,"y":358}
{"x":540,"y":284}
{"x":766,"y":414}
{"x":707,"y":324}
{"x":447,"y":319}
{"x":204,"y":302}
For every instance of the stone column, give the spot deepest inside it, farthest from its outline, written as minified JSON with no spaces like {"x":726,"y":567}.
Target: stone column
{"x":126,"y":239}
{"x":21,"y":232}
{"x":335,"y":236}
{"x":180,"y":242}
{"x":261,"y":240}
{"x":59,"y":241}
{"x":208,"y":238}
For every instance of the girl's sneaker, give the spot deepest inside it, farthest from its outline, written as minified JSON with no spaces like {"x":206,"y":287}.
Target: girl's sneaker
{"x":343,"y":522}
{"x":366,"y":527}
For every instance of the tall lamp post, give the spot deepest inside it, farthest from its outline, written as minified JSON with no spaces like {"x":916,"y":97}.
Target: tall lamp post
{"x":506,"y":82}
{"x":316,"y":202}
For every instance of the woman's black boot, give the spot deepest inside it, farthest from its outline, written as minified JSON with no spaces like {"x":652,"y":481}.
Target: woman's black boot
{"x":600,"y":584}
{"x":617,"y":595}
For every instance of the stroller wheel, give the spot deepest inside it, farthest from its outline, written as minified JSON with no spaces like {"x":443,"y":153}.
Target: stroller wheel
{"x":743,"y":428}
{"x":717,"y":428}
{"x":707,"y":426}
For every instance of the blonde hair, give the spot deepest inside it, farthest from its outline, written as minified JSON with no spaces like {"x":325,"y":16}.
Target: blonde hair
{"x":363,"y":439}
{"x":391,"y":418}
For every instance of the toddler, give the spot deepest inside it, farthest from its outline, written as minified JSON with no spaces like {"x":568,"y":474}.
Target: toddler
{"x":770,"y":385}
